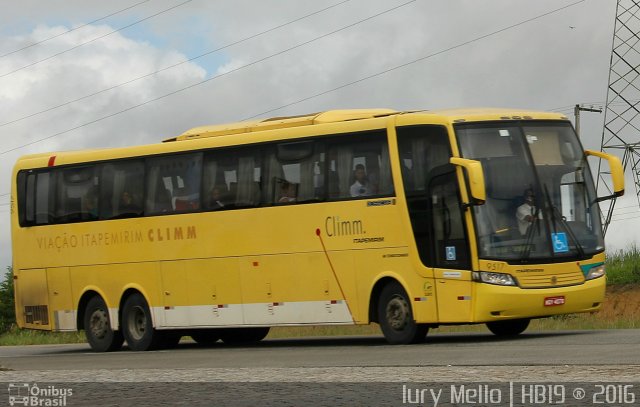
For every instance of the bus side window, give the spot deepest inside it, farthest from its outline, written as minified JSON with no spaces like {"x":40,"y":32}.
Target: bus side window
{"x":359,"y":167}
{"x":295,"y":172}
{"x":448,"y":231}
{"x":121,"y":192}
{"x":214,"y":184}
{"x":173,"y":183}
{"x":76,"y":194}
{"x":26,"y":186}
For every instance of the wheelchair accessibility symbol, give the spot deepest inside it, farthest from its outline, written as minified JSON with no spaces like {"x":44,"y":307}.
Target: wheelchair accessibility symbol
{"x":451,"y":253}
{"x":560,"y":243}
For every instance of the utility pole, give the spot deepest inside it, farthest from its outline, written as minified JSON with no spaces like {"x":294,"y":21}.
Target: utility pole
{"x":576,"y":111}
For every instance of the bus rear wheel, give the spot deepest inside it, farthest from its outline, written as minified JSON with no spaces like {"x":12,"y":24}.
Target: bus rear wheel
{"x":97,"y":327}
{"x":137,"y":325}
{"x":235,"y":336}
{"x":396,"y":317}
{"x":509,"y":327}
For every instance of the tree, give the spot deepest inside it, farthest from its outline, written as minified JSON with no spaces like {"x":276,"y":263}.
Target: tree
{"x":7,"y":302}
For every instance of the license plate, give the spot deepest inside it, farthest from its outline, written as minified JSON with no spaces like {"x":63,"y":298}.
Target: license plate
{"x":553,"y":301}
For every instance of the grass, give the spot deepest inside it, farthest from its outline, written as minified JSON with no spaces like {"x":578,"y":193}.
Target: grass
{"x":623,"y":267}
{"x":621,"y":310}
{"x":16,"y":336}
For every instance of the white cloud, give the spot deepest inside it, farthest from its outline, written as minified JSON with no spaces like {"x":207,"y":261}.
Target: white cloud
{"x":89,"y":69}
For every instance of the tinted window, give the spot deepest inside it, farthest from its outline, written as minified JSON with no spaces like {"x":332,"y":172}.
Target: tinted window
{"x":232,"y":179}
{"x":359,"y":166}
{"x":76,"y":194}
{"x":121,"y":195}
{"x":173,"y":183}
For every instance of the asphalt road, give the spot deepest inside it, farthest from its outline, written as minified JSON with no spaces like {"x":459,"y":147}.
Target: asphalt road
{"x":281,"y":367}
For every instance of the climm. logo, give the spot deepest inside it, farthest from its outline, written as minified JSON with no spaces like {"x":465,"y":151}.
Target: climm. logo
{"x":334,"y":226}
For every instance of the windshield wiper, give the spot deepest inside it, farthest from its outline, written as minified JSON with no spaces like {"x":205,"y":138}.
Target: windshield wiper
{"x":555,"y":214}
{"x":526,"y":250}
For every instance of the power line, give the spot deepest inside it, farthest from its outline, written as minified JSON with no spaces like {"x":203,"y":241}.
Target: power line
{"x":94,"y":39}
{"x":625,"y":207}
{"x":175,"y":65}
{"x":617,"y":220}
{"x":637,"y":210}
{"x":73,"y":29}
{"x":209,"y":79}
{"x":600,"y":104}
{"x":416,"y":60}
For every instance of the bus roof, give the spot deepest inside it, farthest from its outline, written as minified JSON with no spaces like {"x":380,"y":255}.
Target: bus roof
{"x":494,"y":114}
{"x":332,"y":116}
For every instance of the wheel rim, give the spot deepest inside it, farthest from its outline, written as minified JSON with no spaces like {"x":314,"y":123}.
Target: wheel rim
{"x":397,"y":313}
{"x":137,"y":323}
{"x":99,"y":324}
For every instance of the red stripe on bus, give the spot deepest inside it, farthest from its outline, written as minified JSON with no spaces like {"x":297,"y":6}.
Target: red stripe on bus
{"x":52,"y":160}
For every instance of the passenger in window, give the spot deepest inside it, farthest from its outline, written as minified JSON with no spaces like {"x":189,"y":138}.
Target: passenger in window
{"x":361,"y":186}
{"x":90,"y":204}
{"x":215,"y":199}
{"x":287,"y":192}
{"x":127,"y":204}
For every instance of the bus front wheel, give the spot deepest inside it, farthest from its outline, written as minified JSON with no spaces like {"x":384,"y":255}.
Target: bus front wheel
{"x":396,"y":317}
{"x":97,"y":327}
{"x":137,"y":325}
{"x":509,"y":327}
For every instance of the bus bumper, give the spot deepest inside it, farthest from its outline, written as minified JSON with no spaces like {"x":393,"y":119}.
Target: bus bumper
{"x":493,"y":302}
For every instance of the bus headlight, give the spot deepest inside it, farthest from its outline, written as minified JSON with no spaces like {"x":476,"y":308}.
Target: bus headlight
{"x":493,"y":278}
{"x":595,"y":272}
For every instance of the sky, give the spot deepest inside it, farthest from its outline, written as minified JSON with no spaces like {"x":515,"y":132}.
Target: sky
{"x":78,"y":74}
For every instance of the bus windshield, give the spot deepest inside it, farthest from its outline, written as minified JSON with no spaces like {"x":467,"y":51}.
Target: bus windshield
{"x":541,"y":201}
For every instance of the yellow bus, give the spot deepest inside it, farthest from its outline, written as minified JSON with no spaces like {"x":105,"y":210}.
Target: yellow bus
{"x":408,"y":219}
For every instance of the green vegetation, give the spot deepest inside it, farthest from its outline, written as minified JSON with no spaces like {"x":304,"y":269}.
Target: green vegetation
{"x":17,"y":336}
{"x":623,"y":267}
{"x":7,"y":307}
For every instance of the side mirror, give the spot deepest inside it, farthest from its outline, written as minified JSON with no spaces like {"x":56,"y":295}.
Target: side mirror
{"x":476,"y":178}
{"x":617,"y":173}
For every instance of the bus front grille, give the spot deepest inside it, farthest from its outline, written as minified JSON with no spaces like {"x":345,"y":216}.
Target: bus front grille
{"x":551,"y":280}
{"x":36,"y":314}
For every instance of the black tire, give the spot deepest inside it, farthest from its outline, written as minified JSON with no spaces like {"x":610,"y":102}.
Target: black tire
{"x":97,"y":327}
{"x":205,"y":337}
{"x":509,"y":327}
{"x":137,"y":326}
{"x":396,"y":317}
{"x":235,"y":336}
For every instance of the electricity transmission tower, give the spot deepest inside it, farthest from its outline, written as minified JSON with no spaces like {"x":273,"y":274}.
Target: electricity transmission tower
{"x":621,"y":133}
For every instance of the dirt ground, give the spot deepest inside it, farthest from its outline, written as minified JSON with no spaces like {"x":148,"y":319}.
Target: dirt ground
{"x":621,"y":301}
